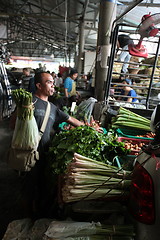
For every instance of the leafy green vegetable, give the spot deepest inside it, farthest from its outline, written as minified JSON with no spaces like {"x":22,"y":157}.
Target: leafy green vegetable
{"x":85,"y":141}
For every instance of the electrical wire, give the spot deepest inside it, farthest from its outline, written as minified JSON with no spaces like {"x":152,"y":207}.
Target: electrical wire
{"x":66,"y":30}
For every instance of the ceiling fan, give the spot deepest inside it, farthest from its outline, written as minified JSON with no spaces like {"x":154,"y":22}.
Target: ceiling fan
{"x":147,"y":28}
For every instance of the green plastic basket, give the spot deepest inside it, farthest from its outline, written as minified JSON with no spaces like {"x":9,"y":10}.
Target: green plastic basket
{"x":131,"y":133}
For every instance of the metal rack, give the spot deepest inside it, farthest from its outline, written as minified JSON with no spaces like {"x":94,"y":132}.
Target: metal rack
{"x":146,"y":83}
{"x":5,"y":89}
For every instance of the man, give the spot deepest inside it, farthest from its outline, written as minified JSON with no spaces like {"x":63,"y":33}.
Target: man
{"x":45,"y":88}
{"x":26,"y":78}
{"x":123,"y":42}
{"x":35,"y":184}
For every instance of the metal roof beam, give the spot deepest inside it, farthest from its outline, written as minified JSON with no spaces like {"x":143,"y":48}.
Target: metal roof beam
{"x":151,"y":4}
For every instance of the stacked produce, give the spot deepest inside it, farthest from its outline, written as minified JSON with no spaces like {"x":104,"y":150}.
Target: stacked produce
{"x":90,"y":179}
{"x":134,"y":144}
{"x":147,"y":135}
{"x":26,"y":131}
{"x":86,"y":141}
{"x":129,"y":119}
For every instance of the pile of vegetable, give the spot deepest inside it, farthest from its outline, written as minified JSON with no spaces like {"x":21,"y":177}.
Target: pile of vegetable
{"x":93,"y":123}
{"x":86,"y":141}
{"x":90,"y":179}
{"x":147,"y":135}
{"x":134,"y":145}
{"x":127,"y":118}
{"x":26,"y":132}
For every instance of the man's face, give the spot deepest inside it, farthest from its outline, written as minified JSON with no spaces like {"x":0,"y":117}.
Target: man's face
{"x":26,"y":73}
{"x":47,"y":85}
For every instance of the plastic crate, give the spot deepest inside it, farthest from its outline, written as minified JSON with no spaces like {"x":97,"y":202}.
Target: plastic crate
{"x":131,"y":133}
{"x":134,"y":142}
{"x":62,"y":126}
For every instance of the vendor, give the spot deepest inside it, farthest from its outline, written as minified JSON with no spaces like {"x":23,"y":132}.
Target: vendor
{"x":70,"y":84}
{"x":127,"y":91}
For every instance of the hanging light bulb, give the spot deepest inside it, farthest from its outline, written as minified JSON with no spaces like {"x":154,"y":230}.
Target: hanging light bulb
{"x":52,"y":56}
{"x":45,"y":50}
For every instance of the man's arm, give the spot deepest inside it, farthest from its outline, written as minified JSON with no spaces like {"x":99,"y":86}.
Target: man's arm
{"x":75,"y":122}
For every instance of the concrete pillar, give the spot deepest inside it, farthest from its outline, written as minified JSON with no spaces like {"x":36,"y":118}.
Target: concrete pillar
{"x":107,"y":15}
{"x":81,"y":47}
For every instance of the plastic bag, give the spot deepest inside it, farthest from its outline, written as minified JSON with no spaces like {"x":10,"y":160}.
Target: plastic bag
{"x":85,"y":108}
{"x":64,"y":229}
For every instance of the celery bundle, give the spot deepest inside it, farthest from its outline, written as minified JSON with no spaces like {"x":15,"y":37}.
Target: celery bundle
{"x":127,"y":118}
{"x":90,"y":179}
{"x":26,"y":132}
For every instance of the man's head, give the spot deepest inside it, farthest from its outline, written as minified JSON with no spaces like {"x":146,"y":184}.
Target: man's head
{"x":44,"y":83}
{"x":124,"y":40}
{"x":26,"y":71}
{"x":53,"y":75}
{"x":73,"y":73}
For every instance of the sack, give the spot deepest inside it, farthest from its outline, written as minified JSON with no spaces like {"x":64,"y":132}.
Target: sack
{"x":22,"y":160}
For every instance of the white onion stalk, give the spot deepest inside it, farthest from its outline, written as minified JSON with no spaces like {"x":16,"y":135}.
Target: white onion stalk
{"x":26,"y":134}
{"x":90,"y":179}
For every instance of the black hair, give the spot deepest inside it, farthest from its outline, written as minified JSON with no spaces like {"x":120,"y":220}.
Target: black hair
{"x":59,"y":75}
{"x":38,"y":77}
{"x":124,"y":40}
{"x":72,"y":71}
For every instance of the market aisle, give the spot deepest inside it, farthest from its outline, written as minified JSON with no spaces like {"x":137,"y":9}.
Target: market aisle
{"x":11,"y":190}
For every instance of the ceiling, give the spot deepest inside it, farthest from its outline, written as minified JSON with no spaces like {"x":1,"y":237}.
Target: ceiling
{"x":50,"y":28}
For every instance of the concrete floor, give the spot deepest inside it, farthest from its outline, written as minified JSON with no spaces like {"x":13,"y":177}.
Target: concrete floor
{"x":11,"y":185}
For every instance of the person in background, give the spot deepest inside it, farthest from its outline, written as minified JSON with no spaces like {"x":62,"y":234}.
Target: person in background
{"x":123,"y":42}
{"x":53,"y":75}
{"x":26,"y":78}
{"x":127,"y":91}
{"x":31,"y":85}
{"x":70,"y":84}
{"x":59,"y":80}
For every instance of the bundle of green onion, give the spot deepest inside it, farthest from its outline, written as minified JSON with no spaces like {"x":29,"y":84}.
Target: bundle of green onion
{"x":26,"y":132}
{"x":127,"y":118}
{"x":90,"y":179}
{"x":23,"y":100}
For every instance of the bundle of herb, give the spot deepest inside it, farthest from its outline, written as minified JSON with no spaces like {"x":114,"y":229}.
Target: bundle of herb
{"x":89,"y":179}
{"x":85,"y":141}
{"x":26,"y":132}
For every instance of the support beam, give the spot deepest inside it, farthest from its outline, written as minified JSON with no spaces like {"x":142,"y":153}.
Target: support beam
{"x":81,"y":47}
{"x":106,"y":18}
{"x":81,"y":39}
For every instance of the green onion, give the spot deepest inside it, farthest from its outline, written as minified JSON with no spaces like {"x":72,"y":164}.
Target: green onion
{"x":26,"y":132}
